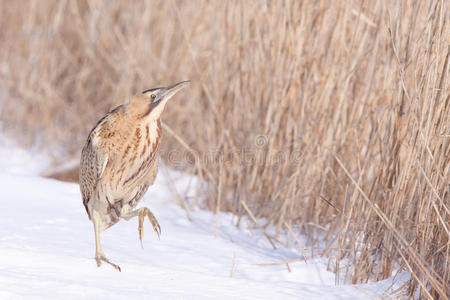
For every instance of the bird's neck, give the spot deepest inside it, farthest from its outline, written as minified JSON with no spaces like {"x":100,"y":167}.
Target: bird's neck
{"x":151,"y":130}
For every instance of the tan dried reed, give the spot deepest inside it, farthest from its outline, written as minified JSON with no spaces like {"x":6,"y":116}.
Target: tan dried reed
{"x":330,"y":116}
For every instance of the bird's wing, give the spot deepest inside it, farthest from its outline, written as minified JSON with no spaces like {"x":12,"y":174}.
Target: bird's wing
{"x":93,"y":162}
{"x":92,"y":166}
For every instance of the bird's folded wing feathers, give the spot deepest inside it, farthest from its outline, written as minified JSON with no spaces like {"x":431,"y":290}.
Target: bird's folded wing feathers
{"x":92,"y":167}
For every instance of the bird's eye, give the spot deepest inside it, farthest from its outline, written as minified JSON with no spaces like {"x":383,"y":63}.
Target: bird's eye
{"x":153,"y":96}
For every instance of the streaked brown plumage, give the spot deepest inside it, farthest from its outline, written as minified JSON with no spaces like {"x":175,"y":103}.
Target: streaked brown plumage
{"x":119,"y":162}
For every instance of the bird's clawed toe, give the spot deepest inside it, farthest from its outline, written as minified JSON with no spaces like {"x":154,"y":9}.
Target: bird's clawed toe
{"x":146,"y":212}
{"x":100,"y":257}
{"x":141,"y":225}
{"x":155,"y":223}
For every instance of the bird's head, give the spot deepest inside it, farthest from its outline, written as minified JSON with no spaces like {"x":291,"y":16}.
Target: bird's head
{"x":151,"y":103}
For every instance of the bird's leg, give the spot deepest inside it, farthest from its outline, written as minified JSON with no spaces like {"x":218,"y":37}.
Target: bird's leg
{"x":99,"y":256}
{"x":142,"y":212}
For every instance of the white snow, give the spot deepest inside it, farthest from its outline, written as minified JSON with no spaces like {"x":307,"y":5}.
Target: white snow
{"x":47,"y":249}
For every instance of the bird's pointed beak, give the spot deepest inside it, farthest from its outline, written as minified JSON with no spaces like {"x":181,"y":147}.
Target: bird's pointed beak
{"x":170,"y":91}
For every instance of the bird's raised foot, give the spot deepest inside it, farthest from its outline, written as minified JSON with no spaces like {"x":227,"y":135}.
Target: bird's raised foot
{"x":100,"y":257}
{"x":155,"y":223}
{"x":146,"y":212}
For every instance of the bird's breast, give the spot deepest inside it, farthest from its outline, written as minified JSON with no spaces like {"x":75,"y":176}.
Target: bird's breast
{"x":134,"y":161}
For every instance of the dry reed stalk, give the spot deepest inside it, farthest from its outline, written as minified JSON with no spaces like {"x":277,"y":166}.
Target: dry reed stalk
{"x":279,"y":90}
{"x":284,"y":262}
{"x":233,"y":265}
{"x":219,"y":196}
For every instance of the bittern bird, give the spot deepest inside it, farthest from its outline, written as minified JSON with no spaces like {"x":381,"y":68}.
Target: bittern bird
{"x":119,"y":162}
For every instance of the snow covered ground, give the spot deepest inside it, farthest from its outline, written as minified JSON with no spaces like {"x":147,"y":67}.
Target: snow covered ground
{"x":47,"y":249}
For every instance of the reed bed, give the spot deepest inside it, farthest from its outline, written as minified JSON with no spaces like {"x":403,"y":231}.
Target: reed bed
{"x":329,"y":118}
